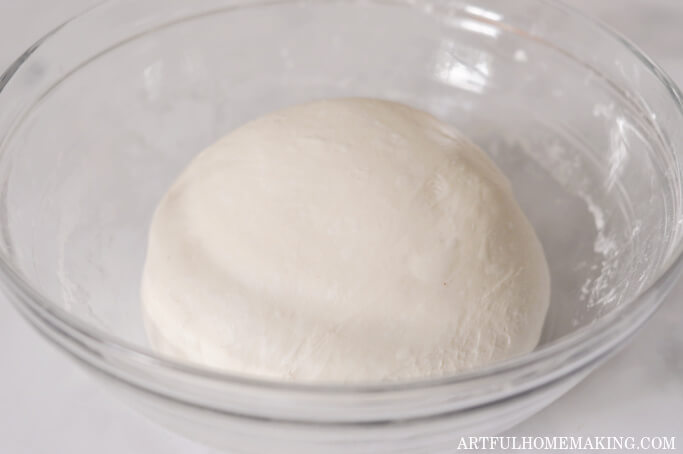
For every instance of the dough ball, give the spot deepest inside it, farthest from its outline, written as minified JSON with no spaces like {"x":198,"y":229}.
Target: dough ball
{"x":348,"y":240}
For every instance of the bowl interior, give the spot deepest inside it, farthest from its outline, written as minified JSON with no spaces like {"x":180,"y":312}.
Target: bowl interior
{"x":105,"y":133}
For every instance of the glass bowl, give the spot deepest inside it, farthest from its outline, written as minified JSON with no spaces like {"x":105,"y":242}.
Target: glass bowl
{"x":100,"y":115}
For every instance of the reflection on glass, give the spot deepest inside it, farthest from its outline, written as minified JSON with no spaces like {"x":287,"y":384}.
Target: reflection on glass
{"x":462,"y":68}
{"x":481,"y":12}
{"x":479,"y":27}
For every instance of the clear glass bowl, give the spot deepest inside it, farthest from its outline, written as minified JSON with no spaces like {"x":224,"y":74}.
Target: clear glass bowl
{"x":99,"y":116}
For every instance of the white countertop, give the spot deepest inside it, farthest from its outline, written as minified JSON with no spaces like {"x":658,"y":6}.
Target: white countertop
{"x":48,"y":404}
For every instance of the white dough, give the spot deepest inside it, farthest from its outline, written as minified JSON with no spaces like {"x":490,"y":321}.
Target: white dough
{"x":348,"y":240}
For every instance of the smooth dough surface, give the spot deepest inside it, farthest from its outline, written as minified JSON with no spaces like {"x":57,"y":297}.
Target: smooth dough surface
{"x":348,"y":240}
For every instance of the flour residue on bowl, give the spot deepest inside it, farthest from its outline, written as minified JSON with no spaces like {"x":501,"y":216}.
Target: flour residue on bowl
{"x":596,"y":290}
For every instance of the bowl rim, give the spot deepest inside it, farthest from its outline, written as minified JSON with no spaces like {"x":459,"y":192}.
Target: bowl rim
{"x":594,"y":340}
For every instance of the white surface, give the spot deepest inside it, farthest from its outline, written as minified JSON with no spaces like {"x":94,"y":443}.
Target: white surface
{"x":48,"y":405}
